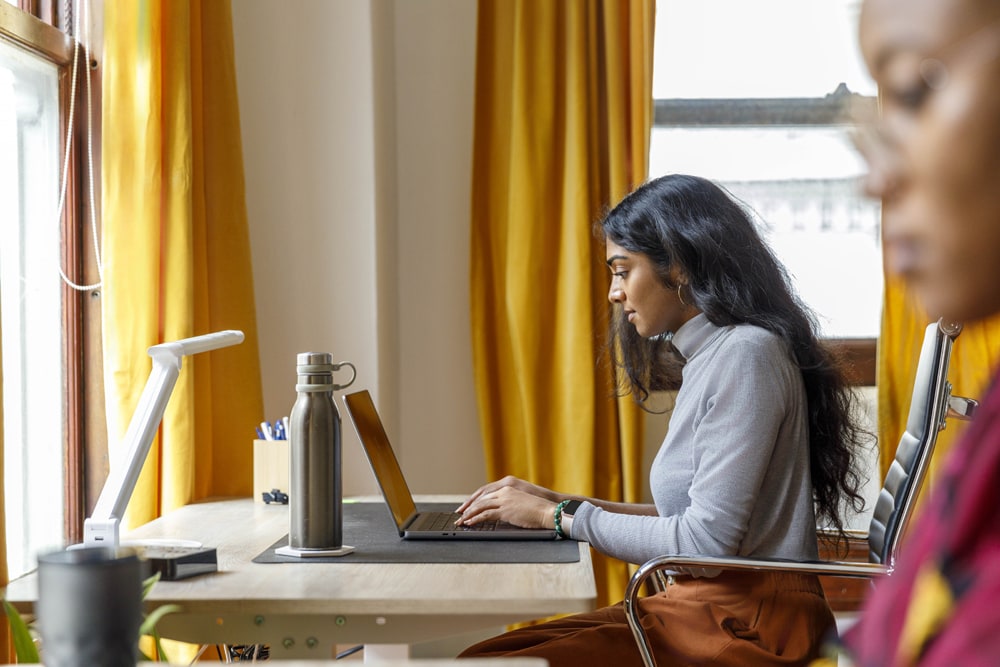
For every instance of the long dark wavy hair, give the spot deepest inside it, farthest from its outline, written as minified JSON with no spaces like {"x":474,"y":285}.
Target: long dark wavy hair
{"x":691,"y":224}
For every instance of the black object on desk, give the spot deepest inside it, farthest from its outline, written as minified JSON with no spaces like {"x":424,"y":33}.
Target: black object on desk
{"x":179,"y":562}
{"x":368,"y":528}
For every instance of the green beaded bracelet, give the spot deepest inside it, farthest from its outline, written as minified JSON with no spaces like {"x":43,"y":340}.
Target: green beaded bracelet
{"x":558,"y":517}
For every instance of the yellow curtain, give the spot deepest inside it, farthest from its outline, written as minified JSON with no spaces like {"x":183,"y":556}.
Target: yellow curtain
{"x":563,"y":115}
{"x":974,"y":360}
{"x":176,"y":245}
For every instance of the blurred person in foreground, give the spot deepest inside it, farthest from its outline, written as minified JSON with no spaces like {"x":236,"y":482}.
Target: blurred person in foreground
{"x":934,"y":160}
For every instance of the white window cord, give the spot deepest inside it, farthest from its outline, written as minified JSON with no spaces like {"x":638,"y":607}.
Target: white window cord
{"x":90,"y":150}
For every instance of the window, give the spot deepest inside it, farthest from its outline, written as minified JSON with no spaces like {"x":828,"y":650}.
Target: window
{"x":42,"y":320}
{"x":752,"y":95}
{"x":30,"y":303}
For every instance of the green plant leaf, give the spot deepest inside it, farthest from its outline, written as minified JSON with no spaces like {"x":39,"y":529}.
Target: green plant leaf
{"x":161,"y":655}
{"x":148,"y":583}
{"x":24,"y":644}
{"x":150,"y":620}
{"x":149,"y":623}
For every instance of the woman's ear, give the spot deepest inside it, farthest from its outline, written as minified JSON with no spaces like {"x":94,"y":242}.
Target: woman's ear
{"x":677,"y":277}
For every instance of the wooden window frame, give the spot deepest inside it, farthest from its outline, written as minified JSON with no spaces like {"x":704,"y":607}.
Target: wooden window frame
{"x":45,"y":27}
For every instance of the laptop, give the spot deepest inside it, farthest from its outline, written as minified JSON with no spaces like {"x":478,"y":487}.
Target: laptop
{"x":411,"y":523}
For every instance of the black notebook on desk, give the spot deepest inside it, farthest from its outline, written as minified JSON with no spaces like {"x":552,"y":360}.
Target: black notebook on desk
{"x":411,"y":523}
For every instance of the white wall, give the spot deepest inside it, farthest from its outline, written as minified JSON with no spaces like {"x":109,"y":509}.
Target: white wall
{"x":435,"y":81}
{"x":357,"y":137}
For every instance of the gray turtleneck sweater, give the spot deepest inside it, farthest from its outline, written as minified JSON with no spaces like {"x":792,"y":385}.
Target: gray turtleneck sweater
{"x":732,"y":476}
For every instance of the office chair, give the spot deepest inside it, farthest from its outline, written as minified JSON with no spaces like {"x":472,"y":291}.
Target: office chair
{"x":930,"y":405}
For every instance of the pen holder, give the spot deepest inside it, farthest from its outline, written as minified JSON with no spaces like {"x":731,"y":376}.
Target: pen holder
{"x":270,"y":467}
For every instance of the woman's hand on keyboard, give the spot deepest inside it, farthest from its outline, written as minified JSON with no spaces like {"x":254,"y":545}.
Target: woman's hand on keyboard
{"x":514,"y":503}
{"x":514,"y":483}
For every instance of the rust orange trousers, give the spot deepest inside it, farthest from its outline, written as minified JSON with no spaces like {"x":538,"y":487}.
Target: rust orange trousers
{"x":738,"y":619}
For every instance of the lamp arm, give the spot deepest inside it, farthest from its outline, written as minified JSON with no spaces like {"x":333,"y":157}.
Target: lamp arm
{"x":102,"y":527}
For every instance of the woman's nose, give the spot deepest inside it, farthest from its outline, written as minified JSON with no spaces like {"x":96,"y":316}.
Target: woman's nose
{"x":616,"y":295}
{"x":878,"y":146}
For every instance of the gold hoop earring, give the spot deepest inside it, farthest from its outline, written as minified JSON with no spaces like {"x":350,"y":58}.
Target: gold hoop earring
{"x":679,"y":297}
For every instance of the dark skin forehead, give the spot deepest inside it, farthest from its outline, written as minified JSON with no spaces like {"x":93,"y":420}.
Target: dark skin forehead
{"x":890,"y":27}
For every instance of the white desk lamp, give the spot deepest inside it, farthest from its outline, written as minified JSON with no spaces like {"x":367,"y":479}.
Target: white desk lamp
{"x":101,"y":529}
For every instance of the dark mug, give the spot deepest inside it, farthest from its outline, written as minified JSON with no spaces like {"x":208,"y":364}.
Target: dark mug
{"x":90,"y":607}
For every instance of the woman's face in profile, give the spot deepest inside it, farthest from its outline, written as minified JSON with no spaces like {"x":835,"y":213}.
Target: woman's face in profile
{"x":648,"y":305}
{"x":935,"y":157}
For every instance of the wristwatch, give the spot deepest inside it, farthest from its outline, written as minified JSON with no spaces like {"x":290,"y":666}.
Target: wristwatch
{"x":564,"y":509}
{"x":571,"y":507}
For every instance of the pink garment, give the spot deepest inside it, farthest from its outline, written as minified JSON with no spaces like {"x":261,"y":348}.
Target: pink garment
{"x":941,"y":607}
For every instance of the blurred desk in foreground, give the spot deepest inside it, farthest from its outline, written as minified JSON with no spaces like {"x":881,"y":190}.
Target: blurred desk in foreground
{"x":470,"y":662}
{"x":305,"y":609}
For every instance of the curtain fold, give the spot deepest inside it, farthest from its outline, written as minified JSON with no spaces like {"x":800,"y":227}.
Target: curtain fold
{"x":975,"y":356}
{"x":176,"y":246}
{"x":562,"y":123}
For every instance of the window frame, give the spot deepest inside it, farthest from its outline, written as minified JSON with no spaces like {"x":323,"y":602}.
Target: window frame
{"x":35,"y":26}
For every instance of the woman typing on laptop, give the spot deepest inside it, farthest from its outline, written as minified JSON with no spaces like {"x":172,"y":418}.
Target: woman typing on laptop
{"x":761,"y":441}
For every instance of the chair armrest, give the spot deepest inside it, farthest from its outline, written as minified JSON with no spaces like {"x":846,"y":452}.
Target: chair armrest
{"x":961,"y":408}
{"x":843,"y":593}
{"x":851,"y":533}
{"x":828,"y":567}
{"x":654,"y":565}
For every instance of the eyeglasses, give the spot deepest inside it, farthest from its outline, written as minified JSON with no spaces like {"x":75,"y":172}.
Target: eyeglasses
{"x":977,"y":49}
{"x":874,"y":140}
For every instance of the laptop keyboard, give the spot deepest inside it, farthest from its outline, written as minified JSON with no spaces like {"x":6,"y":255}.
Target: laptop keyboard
{"x":446,"y":521}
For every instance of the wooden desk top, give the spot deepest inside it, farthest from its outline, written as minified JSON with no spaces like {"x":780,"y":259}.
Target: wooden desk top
{"x":322,"y":604}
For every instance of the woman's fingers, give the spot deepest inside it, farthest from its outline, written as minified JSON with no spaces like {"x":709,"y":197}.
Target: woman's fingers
{"x":478,"y":493}
{"x":486,"y":489}
{"x":505,"y":504}
{"x":487,"y":500}
{"x":493,"y":495}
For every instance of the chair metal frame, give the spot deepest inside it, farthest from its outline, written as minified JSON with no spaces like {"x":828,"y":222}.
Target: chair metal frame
{"x":931,"y":404}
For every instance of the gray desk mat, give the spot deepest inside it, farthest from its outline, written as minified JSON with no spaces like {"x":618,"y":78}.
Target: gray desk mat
{"x":369,"y":529}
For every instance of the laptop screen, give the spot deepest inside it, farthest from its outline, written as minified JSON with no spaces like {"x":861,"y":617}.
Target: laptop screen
{"x":380,"y":455}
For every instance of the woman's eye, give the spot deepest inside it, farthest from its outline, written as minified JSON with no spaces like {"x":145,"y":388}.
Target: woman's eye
{"x":619,"y":274}
{"x":910,"y":97}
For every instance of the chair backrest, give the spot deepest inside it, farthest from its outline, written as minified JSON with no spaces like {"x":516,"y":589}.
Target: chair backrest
{"x":928,"y":410}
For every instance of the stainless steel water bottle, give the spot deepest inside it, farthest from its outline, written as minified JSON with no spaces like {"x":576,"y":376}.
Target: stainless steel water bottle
{"x":315,"y":490}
